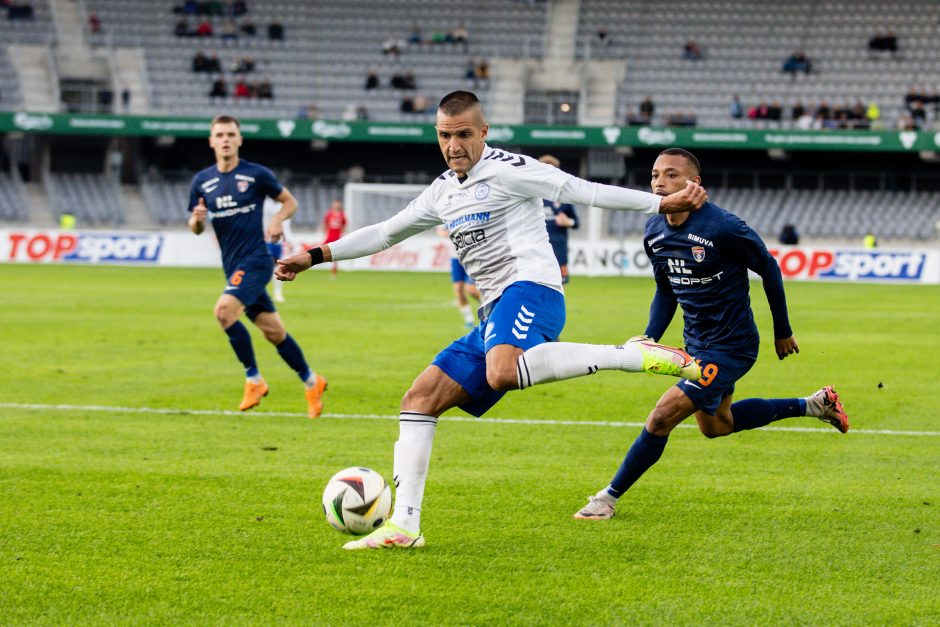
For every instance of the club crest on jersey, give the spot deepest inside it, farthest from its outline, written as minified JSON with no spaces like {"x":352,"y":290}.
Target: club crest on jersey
{"x":698,"y":253}
{"x":242,"y":186}
{"x":482,"y":191}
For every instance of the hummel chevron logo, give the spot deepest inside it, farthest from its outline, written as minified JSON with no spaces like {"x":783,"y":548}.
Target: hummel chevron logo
{"x":594,"y":369}
{"x":520,"y":319}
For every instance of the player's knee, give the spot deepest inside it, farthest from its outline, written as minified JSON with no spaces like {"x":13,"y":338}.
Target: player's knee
{"x":660,"y":421}
{"x":714,"y":431}
{"x":502,"y":378}
{"x":275,"y":336}
{"x":225,"y":315}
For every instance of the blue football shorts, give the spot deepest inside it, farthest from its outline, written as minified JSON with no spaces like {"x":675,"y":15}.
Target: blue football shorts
{"x":720,"y":371}
{"x":458,"y":273}
{"x":525,"y":315}
{"x":247,"y":282}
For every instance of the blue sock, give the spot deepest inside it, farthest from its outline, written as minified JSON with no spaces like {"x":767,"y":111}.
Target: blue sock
{"x":645,"y":451}
{"x":752,"y":413}
{"x":240,"y":340}
{"x":290,"y":352}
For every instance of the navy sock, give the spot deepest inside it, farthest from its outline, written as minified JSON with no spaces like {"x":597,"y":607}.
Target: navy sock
{"x":290,"y":352}
{"x":645,"y":451}
{"x":752,"y":413}
{"x":240,"y":340}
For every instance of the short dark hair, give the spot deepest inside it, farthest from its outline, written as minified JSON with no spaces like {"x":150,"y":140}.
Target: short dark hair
{"x":225,"y":119}
{"x":682,"y":152}
{"x":457,"y":102}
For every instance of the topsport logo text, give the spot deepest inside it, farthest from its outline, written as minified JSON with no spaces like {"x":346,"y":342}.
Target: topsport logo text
{"x":850,"y":265}
{"x":83,"y":247}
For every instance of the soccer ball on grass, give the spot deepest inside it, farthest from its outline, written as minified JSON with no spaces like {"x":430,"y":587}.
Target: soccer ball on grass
{"x":357,"y":500}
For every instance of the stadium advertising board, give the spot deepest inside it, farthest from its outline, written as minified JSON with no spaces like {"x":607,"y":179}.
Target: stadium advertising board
{"x":427,"y":253}
{"x":574,"y":136}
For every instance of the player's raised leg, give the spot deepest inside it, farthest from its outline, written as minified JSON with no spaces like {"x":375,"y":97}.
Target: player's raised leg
{"x":432,"y":393}
{"x":314,"y":385}
{"x":228,"y":309}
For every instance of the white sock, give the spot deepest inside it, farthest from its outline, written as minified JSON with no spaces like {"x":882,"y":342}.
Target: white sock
{"x":255,"y":379}
{"x":412,"y":457}
{"x":557,"y":361}
{"x":311,"y":380}
{"x":607,"y":497}
{"x":467,"y":314}
{"x":278,"y":288}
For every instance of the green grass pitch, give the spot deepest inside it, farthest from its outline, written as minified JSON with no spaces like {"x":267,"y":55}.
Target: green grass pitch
{"x":185,"y":514}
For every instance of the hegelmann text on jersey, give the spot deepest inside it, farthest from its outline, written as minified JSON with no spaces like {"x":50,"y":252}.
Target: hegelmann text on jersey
{"x":480,"y":217}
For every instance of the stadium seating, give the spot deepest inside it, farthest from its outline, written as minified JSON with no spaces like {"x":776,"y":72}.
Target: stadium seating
{"x":12,"y":202}
{"x":94,"y":200}
{"x":817,"y":214}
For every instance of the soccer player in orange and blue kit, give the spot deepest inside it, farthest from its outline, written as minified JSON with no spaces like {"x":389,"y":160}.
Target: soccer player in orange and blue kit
{"x":701,"y":262}
{"x":231,"y":195}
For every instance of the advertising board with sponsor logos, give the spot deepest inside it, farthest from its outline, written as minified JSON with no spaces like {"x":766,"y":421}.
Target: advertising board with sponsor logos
{"x":429,"y":253}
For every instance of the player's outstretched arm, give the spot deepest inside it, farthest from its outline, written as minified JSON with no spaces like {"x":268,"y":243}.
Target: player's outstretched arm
{"x":688,"y":199}
{"x":288,"y":268}
{"x":786,"y":346}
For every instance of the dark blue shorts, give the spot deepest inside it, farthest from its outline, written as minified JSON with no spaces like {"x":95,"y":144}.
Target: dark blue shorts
{"x":526,"y":315}
{"x":457,"y":272}
{"x":560,"y":248}
{"x":720,"y":371}
{"x":247,"y":282}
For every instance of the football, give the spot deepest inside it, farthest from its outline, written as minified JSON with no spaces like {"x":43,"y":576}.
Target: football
{"x":357,"y":500}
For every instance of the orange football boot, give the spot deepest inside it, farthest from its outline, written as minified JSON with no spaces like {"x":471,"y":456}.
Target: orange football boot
{"x":254,"y":392}
{"x":315,"y":398}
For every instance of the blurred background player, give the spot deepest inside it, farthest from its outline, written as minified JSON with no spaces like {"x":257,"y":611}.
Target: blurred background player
{"x":334,"y":223}
{"x":701,"y":261}
{"x":277,"y":249}
{"x":231,"y":194}
{"x":559,"y":217}
{"x":505,"y":249}
{"x":464,"y":287}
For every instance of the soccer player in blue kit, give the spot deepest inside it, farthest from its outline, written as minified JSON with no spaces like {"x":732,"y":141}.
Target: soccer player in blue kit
{"x":490,"y":201}
{"x":701,"y":262}
{"x":231,"y":195}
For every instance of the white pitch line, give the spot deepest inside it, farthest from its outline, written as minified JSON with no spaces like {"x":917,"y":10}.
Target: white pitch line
{"x":511,"y":421}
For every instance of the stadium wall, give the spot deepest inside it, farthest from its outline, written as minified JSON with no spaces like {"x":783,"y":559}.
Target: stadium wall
{"x":430,"y":253}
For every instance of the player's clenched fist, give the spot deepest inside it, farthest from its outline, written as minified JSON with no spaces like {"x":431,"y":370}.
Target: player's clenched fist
{"x":288,"y":268}
{"x":200,"y":211}
{"x":688,"y":199}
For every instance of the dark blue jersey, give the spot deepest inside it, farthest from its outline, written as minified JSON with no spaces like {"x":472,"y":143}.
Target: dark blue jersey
{"x":702,"y":265}
{"x":235,"y":202}
{"x":558,"y":234}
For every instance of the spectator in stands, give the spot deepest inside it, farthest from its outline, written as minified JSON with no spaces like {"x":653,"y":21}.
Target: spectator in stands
{"x":415,"y":38}
{"x":200,"y":62}
{"x":182,"y":29}
{"x":644,"y":113}
{"x":17,"y":10}
{"x":349,"y":113}
{"x":805,"y":121}
{"x":859,"y":117}
{"x":187,"y":8}
{"x":775,"y":111}
{"x":760,"y":112}
{"x":362,"y":113}
{"x":873,"y":113}
{"x":126,"y":99}
{"x":105,"y":100}
{"x":886,"y":42}
{"x":392,"y":46}
{"x":789,"y":236}
{"x":244,"y":65}
{"x":265,"y":90}
{"x":906,"y":122}
{"x":355,"y":174}
{"x":869,"y":241}
{"x":238,"y":8}
{"x":482,"y":73}
{"x":461,"y":36}
{"x":276,"y":31}
{"x":241,"y":89}
{"x":407,"y":104}
{"x":681,"y":119}
{"x":913,"y":95}
{"x":219,"y":88}
{"x":229,"y":30}
{"x":797,"y":111}
{"x":824,"y":110}
{"x":798,"y":62}
{"x":204,"y":29}
{"x":692,"y":51}
{"x":602,"y":37}
{"x":918,"y":114}
{"x":932,"y":101}
{"x":398,"y":80}
{"x":372,"y":80}
{"x":737,"y":109}
{"x":248,"y":28}
{"x":94,"y":23}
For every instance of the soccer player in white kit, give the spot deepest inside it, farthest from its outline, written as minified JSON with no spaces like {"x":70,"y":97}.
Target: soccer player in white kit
{"x":277,"y":249}
{"x":490,"y":201}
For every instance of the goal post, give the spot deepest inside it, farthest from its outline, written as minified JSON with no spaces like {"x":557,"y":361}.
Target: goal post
{"x":368,"y":203}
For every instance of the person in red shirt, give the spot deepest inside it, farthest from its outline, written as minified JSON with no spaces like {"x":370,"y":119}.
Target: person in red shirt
{"x":334,"y":223}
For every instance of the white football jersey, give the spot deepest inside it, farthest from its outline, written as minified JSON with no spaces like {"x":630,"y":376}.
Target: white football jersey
{"x":495,"y":219}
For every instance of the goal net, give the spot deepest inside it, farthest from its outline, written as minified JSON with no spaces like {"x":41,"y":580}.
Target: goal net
{"x":368,"y":203}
